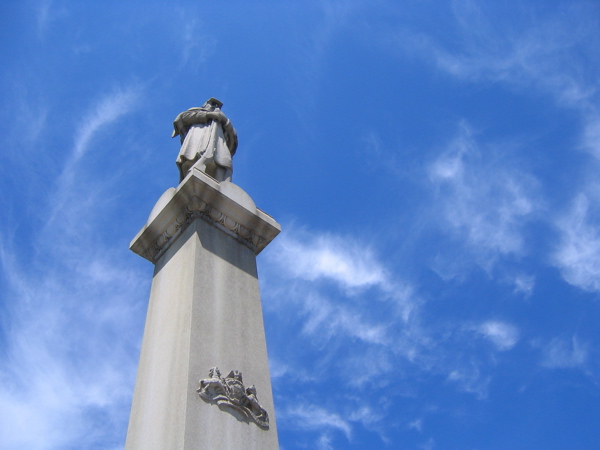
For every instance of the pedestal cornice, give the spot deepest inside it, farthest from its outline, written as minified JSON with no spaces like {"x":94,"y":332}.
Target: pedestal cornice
{"x":199,"y":196}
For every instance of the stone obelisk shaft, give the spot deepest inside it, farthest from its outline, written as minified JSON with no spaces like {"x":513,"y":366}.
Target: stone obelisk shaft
{"x":204,"y":311}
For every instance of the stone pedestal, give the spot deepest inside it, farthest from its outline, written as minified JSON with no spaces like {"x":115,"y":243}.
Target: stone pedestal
{"x":204,"y":312}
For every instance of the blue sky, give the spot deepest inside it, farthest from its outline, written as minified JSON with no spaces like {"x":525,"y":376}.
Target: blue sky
{"x":434,"y":166}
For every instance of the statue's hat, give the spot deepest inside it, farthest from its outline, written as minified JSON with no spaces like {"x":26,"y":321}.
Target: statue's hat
{"x":215,"y":101}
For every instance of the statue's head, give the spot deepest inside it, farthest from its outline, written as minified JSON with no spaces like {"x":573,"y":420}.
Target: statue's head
{"x":212,"y":104}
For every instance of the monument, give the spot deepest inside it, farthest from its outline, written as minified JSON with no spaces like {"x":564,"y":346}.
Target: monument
{"x":204,"y":312}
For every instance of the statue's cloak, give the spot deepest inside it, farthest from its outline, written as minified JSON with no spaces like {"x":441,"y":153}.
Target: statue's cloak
{"x":204,"y":140}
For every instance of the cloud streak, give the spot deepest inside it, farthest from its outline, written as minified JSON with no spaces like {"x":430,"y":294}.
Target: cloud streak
{"x":327,"y":288}
{"x":562,"y":353}
{"x":578,"y":252}
{"x":105,"y":112}
{"x":345,"y":261}
{"x":483,"y":203}
{"x":313,"y":417}
{"x":503,"y":335}
{"x":546,"y":55}
{"x":67,"y":374}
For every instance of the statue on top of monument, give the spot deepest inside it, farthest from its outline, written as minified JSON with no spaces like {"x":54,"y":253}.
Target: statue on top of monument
{"x":208,"y":141}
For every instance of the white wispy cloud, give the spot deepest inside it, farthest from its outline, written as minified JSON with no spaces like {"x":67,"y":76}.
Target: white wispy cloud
{"x":502,"y":334}
{"x":416,"y":424}
{"x":483,"y":202}
{"x":106,"y":111}
{"x":524,"y":284}
{"x":103,"y":113}
{"x":578,"y":252}
{"x":197,"y":42}
{"x":469,"y":379}
{"x":46,"y":12}
{"x":326,"y":256}
{"x":590,"y":139}
{"x":328,"y":319}
{"x":352,"y":266}
{"x":353,"y":322}
{"x":303,"y":259}
{"x":324,"y":442}
{"x":67,"y":375}
{"x":68,"y":354}
{"x":331,"y":284}
{"x":311,"y":49}
{"x":326,"y":422}
{"x":317,"y":418}
{"x":562,"y":353}
{"x":555,"y":58}
{"x":546,"y":55}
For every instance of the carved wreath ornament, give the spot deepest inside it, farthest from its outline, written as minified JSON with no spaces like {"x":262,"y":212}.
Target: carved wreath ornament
{"x":230,"y":392}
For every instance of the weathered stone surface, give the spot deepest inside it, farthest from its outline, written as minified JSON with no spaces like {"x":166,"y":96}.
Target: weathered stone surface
{"x":204,"y":311}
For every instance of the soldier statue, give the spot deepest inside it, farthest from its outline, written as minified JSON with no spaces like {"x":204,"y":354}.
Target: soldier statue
{"x":208,"y":141}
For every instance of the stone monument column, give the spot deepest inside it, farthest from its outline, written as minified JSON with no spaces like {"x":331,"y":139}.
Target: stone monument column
{"x":203,"y":377}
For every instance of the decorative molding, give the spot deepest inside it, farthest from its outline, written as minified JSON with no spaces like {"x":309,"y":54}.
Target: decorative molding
{"x":230,"y":392}
{"x":224,"y":205}
{"x":199,"y":209}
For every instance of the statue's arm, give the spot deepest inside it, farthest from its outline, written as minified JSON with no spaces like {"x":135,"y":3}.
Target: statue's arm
{"x":231,"y":136}
{"x":186,"y":119}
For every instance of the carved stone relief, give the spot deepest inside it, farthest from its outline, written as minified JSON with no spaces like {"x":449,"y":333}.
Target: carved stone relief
{"x":229,"y":392}
{"x":198,"y":208}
